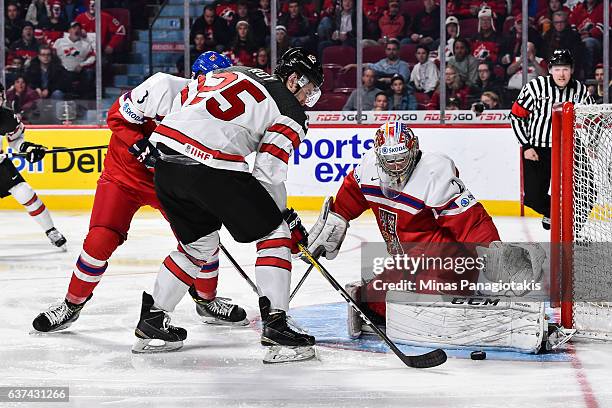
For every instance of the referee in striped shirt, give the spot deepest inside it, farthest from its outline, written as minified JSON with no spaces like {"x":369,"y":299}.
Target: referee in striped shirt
{"x":531,"y":119}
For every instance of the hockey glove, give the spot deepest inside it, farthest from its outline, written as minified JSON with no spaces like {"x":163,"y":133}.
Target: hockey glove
{"x":298,"y":232}
{"x":145,"y":152}
{"x":34,"y":152}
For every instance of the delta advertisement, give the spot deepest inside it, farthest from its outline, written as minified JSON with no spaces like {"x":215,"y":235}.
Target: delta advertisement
{"x":488,"y":161}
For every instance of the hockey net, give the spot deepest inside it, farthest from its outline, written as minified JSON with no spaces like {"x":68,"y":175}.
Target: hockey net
{"x":581,"y":216}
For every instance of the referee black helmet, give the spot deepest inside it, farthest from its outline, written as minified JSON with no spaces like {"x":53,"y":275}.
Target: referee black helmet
{"x":561,"y":56}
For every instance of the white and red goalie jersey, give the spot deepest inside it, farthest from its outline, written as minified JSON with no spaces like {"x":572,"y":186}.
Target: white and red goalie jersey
{"x":433,"y":207}
{"x":222,"y":117}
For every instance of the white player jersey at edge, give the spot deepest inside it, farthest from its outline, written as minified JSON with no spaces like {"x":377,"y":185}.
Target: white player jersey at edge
{"x":223,"y":117}
{"x":152,"y":99}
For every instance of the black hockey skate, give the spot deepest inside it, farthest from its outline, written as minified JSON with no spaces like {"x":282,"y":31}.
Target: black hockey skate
{"x":154,"y":332}
{"x":218,"y":311}
{"x":58,"y":317}
{"x":56,"y":238}
{"x":286,"y":343}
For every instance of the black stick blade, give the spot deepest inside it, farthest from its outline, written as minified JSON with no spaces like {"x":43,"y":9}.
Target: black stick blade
{"x":427,"y":360}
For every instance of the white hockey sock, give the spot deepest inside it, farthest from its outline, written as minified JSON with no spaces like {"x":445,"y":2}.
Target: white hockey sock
{"x":179,"y":270}
{"x":25,"y":196}
{"x":273,"y":267}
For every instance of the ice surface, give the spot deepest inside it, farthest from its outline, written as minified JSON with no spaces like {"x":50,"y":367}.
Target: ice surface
{"x":221,"y":367}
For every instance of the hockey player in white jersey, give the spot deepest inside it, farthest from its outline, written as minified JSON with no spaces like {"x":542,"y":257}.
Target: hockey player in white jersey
{"x":203,"y":182}
{"x":125,"y":185}
{"x":422,"y":206}
{"x":12,"y":183}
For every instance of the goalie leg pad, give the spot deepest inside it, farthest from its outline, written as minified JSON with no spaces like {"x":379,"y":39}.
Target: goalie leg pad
{"x":433,"y":320}
{"x":354,"y":322}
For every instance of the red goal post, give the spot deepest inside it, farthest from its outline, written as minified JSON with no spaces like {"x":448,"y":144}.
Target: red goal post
{"x":581,"y":217}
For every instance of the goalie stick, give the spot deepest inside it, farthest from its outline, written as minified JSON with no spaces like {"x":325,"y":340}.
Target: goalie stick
{"x":431,"y":359}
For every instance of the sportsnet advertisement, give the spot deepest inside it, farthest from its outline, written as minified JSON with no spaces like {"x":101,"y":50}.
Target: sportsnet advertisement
{"x":488,"y":159}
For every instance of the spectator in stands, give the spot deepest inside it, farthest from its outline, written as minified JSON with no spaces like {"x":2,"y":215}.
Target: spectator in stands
{"x":77,"y":57}
{"x":536,"y":67}
{"x":71,"y":9}
{"x":545,"y":16}
{"x":46,"y":75}
{"x":13,"y":25}
{"x":426,"y":25}
{"x":452,"y":33}
{"x":37,"y":11}
{"x":113,"y":32}
{"x":596,"y":88}
{"x":262,"y":59}
{"x":490,"y":100}
{"x":372,"y":11}
{"x":587,"y":19}
{"x":343,"y":30}
{"x":392,"y":24}
{"x":511,"y":42}
{"x":453,"y":103}
{"x":486,"y":82}
{"x":381,"y":102}
{"x":214,"y":29}
{"x":470,"y":8}
{"x":402,"y":97}
{"x":464,"y":61}
{"x":261,"y":22}
{"x":15,"y":69}
{"x":368,"y":92}
{"x":243,"y":45}
{"x":425,"y":74}
{"x":298,"y":28}
{"x":21,"y":98}
{"x":389,"y":66}
{"x":198,"y":47}
{"x":282,"y":40}
{"x":56,"y":20}
{"x":487,"y":41}
{"x":455,"y":88}
{"x":26,"y":46}
{"x":563,"y":36}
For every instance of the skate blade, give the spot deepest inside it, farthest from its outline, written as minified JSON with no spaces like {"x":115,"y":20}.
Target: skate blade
{"x":150,"y":346}
{"x":219,"y":322}
{"x":283,"y":354}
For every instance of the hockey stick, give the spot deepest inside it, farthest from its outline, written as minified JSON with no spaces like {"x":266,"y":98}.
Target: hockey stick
{"x":239,"y":269}
{"x":431,"y":359}
{"x":301,"y":282}
{"x":61,"y":150}
{"x":250,"y":282}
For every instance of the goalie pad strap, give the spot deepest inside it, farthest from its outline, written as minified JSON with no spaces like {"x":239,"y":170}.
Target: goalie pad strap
{"x":438,"y":321}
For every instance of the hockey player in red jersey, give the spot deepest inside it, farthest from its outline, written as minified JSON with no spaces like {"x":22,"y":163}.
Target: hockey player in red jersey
{"x":421,"y":205}
{"x":126,"y":185}
{"x":204,"y":182}
{"x":12,"y":183}
{"x":417,"y":197}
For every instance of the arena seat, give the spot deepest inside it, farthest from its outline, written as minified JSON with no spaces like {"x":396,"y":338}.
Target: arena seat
{"x":330,"y":72}
{"x":346,"y":79}
{"x":408,"y":53}
{"x":331,"y":102}
{"x":469,"y":27}
{"x":338,"y":54}
{"x":373,"y":54}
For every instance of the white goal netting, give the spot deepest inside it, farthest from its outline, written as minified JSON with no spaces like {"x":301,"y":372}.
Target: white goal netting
{"x":592,"y":192}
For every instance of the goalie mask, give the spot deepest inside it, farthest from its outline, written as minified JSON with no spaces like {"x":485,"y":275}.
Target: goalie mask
{"x":397,"y":154}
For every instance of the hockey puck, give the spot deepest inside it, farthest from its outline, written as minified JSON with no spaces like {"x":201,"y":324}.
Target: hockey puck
{"x":478,"y":355}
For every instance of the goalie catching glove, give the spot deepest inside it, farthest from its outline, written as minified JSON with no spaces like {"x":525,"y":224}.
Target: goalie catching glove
{"x":34,"y":152}
{"x":327,"y":235}
{"x":298,"y":232}
{"x":145,"y":152}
